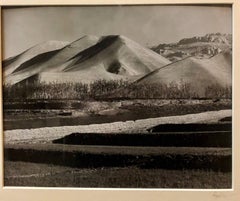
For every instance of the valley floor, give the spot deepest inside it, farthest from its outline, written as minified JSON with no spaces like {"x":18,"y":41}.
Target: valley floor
{"x":31,"y":158}
{"x":44,"y":175}
{"x":47,"y":134}
{"x":56,"y":113}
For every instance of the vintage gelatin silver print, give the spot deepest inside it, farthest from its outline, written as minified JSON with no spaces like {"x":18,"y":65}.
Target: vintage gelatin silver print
{"x":123,"y":96}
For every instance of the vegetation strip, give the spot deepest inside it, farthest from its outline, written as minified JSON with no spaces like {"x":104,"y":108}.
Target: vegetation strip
{"x":175,"y":159}
{"x":187,"y":139}
{"x":110,"y":89}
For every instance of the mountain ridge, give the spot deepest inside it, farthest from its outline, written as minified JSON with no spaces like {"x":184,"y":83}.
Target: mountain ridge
{"x":16,"y":61}
{"x":116,"y":57}
{"x":115,"y":54}
{"x":198,"y":46}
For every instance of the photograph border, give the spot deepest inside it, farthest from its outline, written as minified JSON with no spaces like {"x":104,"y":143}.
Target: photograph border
{"x":90,"y":194}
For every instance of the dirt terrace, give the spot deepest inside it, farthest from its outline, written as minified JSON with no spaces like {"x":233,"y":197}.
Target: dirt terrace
{"x":47,"y":134}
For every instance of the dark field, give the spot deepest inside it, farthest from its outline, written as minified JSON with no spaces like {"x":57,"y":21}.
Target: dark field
{"x":43,"y":175}
{"x":163,"y":139}
{"x":217,"y":159}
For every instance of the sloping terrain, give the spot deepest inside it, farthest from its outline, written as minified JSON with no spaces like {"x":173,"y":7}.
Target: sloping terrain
{"x":198,"y":73}
{"x":89,"y":59}
{"x":119,"y":55}
{"x":116,"y":57}
{"x":202,"y":47}
{"x":50,"y":60}
{"x":13,"y":63}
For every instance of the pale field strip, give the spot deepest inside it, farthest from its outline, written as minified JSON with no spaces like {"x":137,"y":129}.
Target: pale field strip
{"x":51,"y":173}
{"x":47,"y":134}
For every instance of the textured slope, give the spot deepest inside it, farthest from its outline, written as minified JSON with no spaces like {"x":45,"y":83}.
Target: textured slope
{"x":114,"y":57}
{"x":11,"y":64}
{"x":89,"y":59}
{"x":119,"y":55}
{"x":203,"y":47}
{"x":51,"y":60}
{"x":199,"y":73}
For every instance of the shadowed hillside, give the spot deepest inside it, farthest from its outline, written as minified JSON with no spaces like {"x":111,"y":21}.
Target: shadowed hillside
{"x":11,"y":64}
{"x":115,"y":58}
{"x":197,"y":73}
{"x":90,"y":59}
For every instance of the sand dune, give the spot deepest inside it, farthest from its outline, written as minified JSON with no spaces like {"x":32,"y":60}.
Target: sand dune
{"x":199,"y":73}
{"x":119,"y":55}
{"x":114,"y":57}
{"x":14,"y":63}
{"x":49,"y":61}
{"x":91,"y":58}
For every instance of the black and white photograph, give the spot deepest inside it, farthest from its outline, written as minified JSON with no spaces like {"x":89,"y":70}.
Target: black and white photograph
{"x":118,"y":96}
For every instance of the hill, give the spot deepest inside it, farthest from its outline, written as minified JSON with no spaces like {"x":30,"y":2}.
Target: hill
{"x":198,"y":74}
{"x":114,"y":57}
{"x":198,"y":46}
{"x":89,"y":59}
{"x":48,"y":61}
{"x":12,"y":64}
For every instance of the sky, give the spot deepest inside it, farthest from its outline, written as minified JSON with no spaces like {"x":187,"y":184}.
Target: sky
{"x":147,"y":25}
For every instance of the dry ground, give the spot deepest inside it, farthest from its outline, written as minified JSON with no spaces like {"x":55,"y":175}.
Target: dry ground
{"x":50,"y":133}
{"x":32,"y":174}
